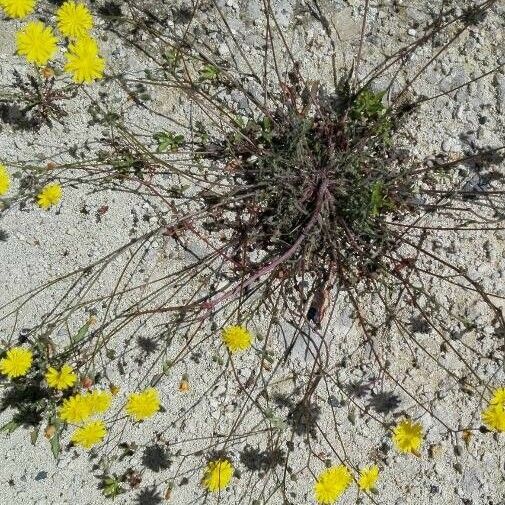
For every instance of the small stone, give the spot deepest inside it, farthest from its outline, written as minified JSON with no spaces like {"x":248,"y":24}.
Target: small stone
{"x":449,"y":145}
{"x":243,"y":104}
{"x":332,"y":400}
{"x":224,"y":49}
{"x":41,"y":476}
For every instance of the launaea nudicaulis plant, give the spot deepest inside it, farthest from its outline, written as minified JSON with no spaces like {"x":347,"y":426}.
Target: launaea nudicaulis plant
{"x":291,"y":202}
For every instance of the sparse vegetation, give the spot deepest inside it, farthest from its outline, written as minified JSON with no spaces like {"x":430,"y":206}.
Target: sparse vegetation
{"x":298,"y":295}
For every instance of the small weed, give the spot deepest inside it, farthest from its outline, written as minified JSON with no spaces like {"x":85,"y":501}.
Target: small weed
{"x":168,"y":141}
{"x":37,"y":101}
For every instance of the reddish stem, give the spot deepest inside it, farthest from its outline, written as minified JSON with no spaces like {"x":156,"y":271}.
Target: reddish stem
{"x":322,"y":193}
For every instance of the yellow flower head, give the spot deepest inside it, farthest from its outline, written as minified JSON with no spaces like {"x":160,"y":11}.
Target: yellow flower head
{"x":408,"y":436}
{"x":83,"y":60}
{"x":5,"y":180}
{"x":99,"y":401}
{"x":90,"y":434}
{"x":218,"y":474}
{"x":75,"y":409}
{"x":331,"y":483}
{"x":62,"y":379}
{"x":74,"y":19}
{"x":236,"y":338}
{"x":498,"y":397}
{"x":36,"y":42}
{"x":16,"y":363}
{"x":368,"y":477}
{"x":143,"y":405}
{"x":494,"y":417}
{"x":17,"y":8}
{"x":49,"y":195}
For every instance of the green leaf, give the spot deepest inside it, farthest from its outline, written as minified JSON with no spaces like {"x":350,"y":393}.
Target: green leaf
{"x":269,"y":413}
{"x":111,"y":486}
{"x":168,"y":141}
{"x":208,"y":72}
{"x":352,"y":416}
{"x":376,"y":199}
{"x":55,"y":444}
{"x":34,"y":435}
{"x":278,"y":423}
{"x":167,"y":366}
{"x":173,"y":57}
{"x":83,"y":331}
{"x":368,"y":104}
{"x":11,"y":426}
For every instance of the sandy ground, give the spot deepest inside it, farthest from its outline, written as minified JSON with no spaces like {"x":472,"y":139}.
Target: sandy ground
{"x":42,"y":245}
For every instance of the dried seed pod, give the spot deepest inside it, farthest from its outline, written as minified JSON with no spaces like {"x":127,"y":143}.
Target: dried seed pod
{"x":87,"y":382}
{"x":184,"y":385}
{"x":47,"y":72}
{"x":319,"y":306}
{"x":49,"y":431}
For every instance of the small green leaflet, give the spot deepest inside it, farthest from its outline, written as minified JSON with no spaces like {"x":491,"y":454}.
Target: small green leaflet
{"x":83,"y":330}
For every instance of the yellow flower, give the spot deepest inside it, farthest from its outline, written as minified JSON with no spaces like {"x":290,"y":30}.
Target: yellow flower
{"x":90,"y":434}
{"x":74,"y":19}
{"x":217,"y":475}
{"x":16,"y":363}
{"x":408,"y":436}
{"x":62,"y":379}
{"x":49,"y":195}
{"x":331,"y":483}
{"x":36,"y":42}
{"x":143,"y":405}
{"x":236,"y":338}
{"x":498,"y":397}
{"x":494,"y":417}
{"x":17,"y":8}
{"x":83,"y":60}
{"x":368,"y":477}
{"x":99,"y":401}
{"x":75,"y":409}
{"x":5,"y":180}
